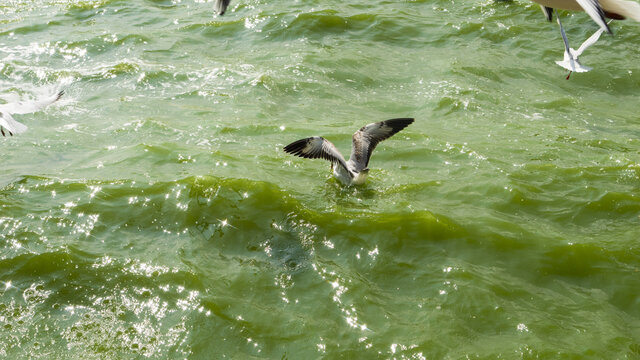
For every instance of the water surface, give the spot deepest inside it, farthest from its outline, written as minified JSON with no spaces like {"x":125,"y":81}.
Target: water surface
{"x":152,"y":213}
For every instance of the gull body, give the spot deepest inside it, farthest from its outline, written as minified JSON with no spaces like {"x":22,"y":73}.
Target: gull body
{"x":349,"y":175}
{"x":355,"y":170}
{"x":8,"y":123}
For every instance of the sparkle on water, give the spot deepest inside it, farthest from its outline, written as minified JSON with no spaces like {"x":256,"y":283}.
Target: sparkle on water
{"x":151,"y":212}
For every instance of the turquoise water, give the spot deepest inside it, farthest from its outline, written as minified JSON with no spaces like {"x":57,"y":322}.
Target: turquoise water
{"x":152,"y":213}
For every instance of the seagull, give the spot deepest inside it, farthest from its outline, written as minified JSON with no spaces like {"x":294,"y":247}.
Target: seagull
{"x":7,"y":122}
{"x":355,"y":170}
{"x":570,"y":61}
{"x":221,"y":6}
{"x":597,"y":10}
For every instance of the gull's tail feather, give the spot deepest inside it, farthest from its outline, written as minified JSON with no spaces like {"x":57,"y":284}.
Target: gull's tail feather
{"x":574,"y":65}
{"x":13,"y":127}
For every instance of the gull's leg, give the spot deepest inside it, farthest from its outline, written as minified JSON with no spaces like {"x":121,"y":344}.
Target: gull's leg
{"x":566,"y":42}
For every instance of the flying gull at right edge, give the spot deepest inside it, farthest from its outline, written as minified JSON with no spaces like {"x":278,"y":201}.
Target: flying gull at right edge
{"x":598,"y":10}
{"x":355,"y":170}
{"x":8,"y":123}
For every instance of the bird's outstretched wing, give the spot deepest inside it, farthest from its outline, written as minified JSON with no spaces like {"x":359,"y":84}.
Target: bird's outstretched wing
{"x":221,"y":6}
{"x":594,"y":10}
{"x":366,"y":139}
{"x":27,"y":107}
{"x":590,"y":41}
{"x":316,"y":148}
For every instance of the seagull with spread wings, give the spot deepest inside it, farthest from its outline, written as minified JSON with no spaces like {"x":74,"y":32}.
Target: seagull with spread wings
{"x":355,"y":170}
{"x":8,"y":123}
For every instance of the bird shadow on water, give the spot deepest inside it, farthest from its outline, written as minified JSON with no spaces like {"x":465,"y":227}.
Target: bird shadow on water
{"x":349,"y":197}
{"x":278,"y":248}
{"x":251,"y":231}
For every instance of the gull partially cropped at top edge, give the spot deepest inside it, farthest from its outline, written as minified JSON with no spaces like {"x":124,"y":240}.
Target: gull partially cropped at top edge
{"x":355,"y":170}
{"x":597,"y":10}
{"x":8,"y":123}
{"x":221,"y":6}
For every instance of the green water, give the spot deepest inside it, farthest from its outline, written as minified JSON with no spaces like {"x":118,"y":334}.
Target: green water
{"x":152,"y":213}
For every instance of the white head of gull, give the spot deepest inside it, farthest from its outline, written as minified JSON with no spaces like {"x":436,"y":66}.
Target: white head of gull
{"x":355,"y":170}
{"x":8,"y":123}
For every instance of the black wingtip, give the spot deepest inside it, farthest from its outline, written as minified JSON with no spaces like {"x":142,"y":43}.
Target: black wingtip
{"x":548,"y":13}
{"x":407,"y":120}
{"x":60,"y":93}
{"x":295,"y":148}
{"x":603,"y":17}
{"x":290,"y":148}
{"x":606,"y":24}
{"x":399,"y":123}
{"x":221,"y":6}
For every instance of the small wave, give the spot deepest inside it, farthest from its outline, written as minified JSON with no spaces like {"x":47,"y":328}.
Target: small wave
{"x":208,"y":205}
